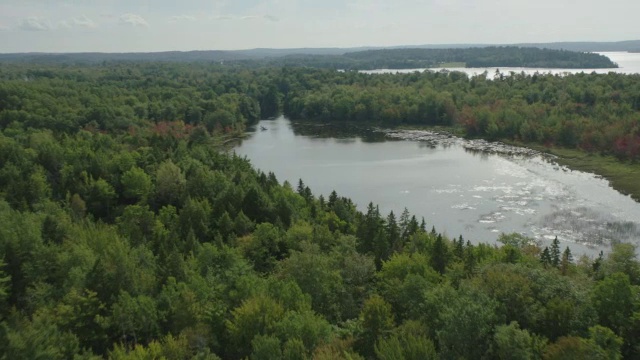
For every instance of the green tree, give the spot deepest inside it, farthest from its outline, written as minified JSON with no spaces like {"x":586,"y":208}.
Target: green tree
{"x":135,"y":318}
{"x":555,"y":252}
{"x":170,"y":184}
{"x":511,"y":342}
{"x":377,"y":323}
{"x":409,"y":341}
{"x":439,"y":255}
{"x":613,"y":300}
{"x":256,"y":316}
{"x":265,"y":348}
{"x":136,"y":184}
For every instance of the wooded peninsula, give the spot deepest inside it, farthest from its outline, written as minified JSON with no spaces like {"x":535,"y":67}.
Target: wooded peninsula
{"x":129,"y":233}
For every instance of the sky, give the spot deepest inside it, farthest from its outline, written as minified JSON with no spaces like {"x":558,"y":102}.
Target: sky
{"x":163,"y":25}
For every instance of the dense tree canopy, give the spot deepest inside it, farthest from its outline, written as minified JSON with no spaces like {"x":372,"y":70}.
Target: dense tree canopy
{"x":129,"y":233}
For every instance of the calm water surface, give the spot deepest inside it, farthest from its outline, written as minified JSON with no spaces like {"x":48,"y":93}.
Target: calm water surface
{"x":629,"y":63}
{"x":463,"y":193}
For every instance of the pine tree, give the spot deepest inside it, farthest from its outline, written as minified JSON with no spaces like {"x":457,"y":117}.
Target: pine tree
{"x":393,"y":233}
{"x":371,"y":234}
{"x":413,"y":227}
{"x":321,"y":202}
{"x":404,"y":224}
{"x":567,"y":255}
{"x":423,"y":225}
{"x":598,"y":262}
{"x":333,"y":197}
{"x":459,"y":247}
{"x":567,"y":259}
{"x":545,"y":257}
{"x":439,"y":255}
{"x":469,"y":259}
{"x":555,"y":252}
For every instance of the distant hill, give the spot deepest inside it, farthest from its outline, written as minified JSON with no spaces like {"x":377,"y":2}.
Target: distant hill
{"x":630,"y":45}
{"x":344,"y":57}
{"x":173,"y":56}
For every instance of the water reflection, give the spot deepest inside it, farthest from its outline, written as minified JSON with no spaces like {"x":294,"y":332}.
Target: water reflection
{"x":341,"y":131}
{"x":470,"y":188}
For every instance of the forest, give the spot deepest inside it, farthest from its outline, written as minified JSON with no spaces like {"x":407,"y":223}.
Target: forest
{"x":493,"y":56}
{"x":346,"y":59}
{"x":592,"y":112}
{"x":130,"y":231}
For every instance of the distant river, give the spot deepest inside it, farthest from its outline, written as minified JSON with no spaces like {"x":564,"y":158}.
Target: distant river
{"x":629,"y":63}
{"x":476,"y":195}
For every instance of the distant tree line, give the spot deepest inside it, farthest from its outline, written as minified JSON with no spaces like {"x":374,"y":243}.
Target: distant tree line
{"x":592,"y":112}
{"x":395,"y":58}
{"x":414,"y":58}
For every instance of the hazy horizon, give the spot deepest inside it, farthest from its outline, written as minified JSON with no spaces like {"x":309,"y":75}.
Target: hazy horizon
{"x":146,"y":26}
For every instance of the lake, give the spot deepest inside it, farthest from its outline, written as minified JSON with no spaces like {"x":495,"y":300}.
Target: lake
{"x":629,"y":63}
{"x":459,"y":191}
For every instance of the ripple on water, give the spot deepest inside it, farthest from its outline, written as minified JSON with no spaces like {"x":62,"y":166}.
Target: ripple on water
{"x":491,"y":218}
{"x":587,"y":226}
{"x":463,"y":206}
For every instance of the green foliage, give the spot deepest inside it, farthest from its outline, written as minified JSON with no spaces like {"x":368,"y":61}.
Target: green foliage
{"x":265,"y":348}
{"x":613,"y":299}
{"x":513,"y":343}
{"x":465,"y":325}
{"x":377,"y":322}
{"x":256,"y":316}
{"x":128,"y":234}
{"x":170,"y":184}
{"x":409,"y":341}
{"x":39,"y":338}
{"x":136,"y":184}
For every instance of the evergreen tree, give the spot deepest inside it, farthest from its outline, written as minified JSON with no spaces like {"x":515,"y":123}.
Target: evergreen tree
{"x":459,"y":247}
{"x":393,"y":233}
{"x":321,"y":202}
{"x":333,"y":197}
{"x":404,"y":224}
{"x":439,"y":255}
{"x":412,"y":228}
{"x":545,"y":257}
{"x":598,"y":262}
{"x":566,"y":255}
{"x":301,"y":187}
{"x":469,"y":259}
{"x":555,"y":252}
{"x":567,"y":259}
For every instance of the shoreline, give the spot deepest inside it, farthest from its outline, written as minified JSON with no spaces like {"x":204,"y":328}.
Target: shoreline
{"x":623,"y":177}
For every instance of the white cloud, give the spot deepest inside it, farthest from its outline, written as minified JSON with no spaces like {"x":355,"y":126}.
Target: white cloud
{"x":180,"y":18}
{"x":133,"y":20}
{"x":84,"y":21}
{"x":34,"y":23}
{"x":223,"y":17}
{"x":246,"y":17}
{"x":64,"y":25}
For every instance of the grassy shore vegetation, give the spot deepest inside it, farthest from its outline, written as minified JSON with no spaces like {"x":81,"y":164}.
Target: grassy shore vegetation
{"x":126,"y":234}
{"x":624,"y":176}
